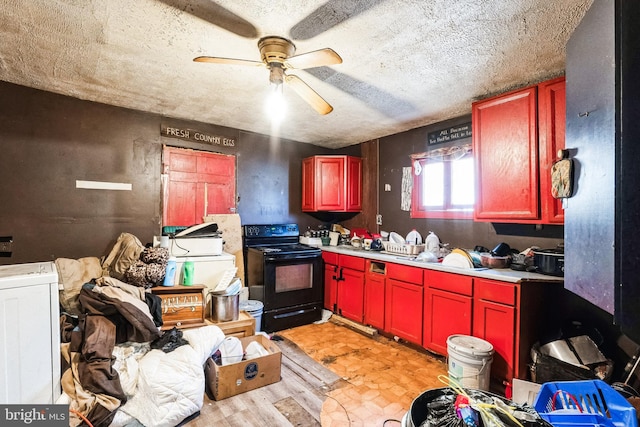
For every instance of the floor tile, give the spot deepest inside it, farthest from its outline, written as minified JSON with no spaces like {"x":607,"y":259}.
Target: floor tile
{"x":382,"y":376}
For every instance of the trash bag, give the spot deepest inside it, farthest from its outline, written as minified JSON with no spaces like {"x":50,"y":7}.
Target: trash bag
{"x":436,"y":408}
{"x":169,"y":341}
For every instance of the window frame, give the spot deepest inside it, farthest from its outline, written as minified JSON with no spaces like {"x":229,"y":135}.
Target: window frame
{"x":418,"y":209}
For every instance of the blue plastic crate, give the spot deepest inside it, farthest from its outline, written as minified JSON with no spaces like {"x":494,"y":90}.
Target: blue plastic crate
{"x":584,"y":403}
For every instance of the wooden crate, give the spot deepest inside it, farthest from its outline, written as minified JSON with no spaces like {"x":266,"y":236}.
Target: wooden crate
{"x":245,"y":326}
{"x":182,"y":306}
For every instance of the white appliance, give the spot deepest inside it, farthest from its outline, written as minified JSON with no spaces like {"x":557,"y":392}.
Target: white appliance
{"x":29,"y":334}
{"x":207,"y":271}
{"x":195,"y":246}
{"x":199,"y":240}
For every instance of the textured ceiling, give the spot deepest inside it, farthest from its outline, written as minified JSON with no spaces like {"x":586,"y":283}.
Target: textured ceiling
{"x":406,"y":63}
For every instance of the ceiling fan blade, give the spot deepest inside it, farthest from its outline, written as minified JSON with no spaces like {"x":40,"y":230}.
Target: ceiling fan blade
{"x":230,"y":61}
{"x":308,"y":94}
{"x":317,"y":58}
{"x":329,"y":15}
{"x":209,"y":11}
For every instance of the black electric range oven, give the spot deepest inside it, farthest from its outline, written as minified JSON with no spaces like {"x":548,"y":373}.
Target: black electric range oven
{"x":284,"y":274}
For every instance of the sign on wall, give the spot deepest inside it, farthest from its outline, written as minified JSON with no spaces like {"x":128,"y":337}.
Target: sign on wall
{"x":449,"y":134}
{"x":196,"y":136}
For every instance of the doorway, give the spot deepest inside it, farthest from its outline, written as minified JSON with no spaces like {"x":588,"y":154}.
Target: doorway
{"x":196,"y":184}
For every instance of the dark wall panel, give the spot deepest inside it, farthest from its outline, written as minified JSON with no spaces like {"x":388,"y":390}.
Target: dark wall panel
{"x":48,"y":142}
{"x":395,"y":154}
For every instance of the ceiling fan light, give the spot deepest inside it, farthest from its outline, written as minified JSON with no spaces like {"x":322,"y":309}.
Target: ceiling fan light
{"x":275,"y":105}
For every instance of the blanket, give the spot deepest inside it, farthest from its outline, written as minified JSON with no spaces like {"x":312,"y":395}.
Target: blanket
{"x":169,"y":387}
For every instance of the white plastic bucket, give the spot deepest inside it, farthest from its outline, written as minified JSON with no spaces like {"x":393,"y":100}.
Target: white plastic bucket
{"x":254,"y":308}
{"x":470,"y":361}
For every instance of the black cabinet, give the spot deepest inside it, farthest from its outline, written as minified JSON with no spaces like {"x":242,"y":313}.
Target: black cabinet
{"x":602,"y":220}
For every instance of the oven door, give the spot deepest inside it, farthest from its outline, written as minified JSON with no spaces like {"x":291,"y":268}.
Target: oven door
{"x":291,"y":280}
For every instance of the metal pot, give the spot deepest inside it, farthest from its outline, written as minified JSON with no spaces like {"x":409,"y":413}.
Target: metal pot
{"x":549,"y":261}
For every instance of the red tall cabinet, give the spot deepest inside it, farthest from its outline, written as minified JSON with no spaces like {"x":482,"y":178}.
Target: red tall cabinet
{"x":332,"y":183}
{"x":516,"y":136}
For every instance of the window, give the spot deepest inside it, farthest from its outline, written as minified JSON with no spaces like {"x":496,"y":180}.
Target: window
{"x":443,"y":184}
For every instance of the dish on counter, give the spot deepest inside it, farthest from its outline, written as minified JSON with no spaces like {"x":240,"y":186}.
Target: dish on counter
{"x":493,"y":261}
{"x":396,"y":238}
{"x":457,"y":259}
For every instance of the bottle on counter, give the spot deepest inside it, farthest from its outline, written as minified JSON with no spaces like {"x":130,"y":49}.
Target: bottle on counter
{"x":170,"y":272}
{"x":187,"y":273}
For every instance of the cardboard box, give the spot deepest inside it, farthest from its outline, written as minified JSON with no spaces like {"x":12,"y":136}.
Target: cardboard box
{"x":229,"y":380}
{"x":525,"y":391}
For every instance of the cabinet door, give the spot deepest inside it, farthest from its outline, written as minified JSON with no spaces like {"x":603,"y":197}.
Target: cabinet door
{"x":374,"y":293}
{"x":330,"y":183}
{"x":505,"y":148}
{"x":551,"y":107}
{"x":330,"y":287}
{"x":495,"y":323}
{"x":308,"y":184}
{"x":354,"y":184}
{"x":445,"y":314}
{"x":351,"y":294}
{"x":404,"y":310}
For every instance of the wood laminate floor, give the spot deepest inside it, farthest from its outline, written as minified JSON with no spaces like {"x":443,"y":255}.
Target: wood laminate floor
{"x":332,"y":376}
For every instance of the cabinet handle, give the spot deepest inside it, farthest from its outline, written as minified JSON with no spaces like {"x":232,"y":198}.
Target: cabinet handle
{"x":585,"y":114}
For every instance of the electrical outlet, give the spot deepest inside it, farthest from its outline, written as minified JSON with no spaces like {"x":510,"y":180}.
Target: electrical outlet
{"x":6,"y":245}
{"x":379,"y":219}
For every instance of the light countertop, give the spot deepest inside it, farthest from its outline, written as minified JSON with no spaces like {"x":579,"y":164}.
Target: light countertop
{"x":501,"y":274}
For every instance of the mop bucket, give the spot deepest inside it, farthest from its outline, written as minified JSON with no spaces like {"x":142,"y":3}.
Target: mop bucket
{"x":469,"y":361}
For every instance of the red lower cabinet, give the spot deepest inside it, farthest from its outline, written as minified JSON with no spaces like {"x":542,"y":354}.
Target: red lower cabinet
{"x":351,"y":295}
{"x":330,"y":286}
{"x":448,"y":304}
{"x":494,"y":320}
{"x":331,"y":275}
{"x":404,"y":310}
{"x":438,"y":306}
{"x":374,"y":294}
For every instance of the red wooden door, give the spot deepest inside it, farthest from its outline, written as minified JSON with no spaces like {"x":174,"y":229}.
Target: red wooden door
{"x":354,"y":184}
{"x":308,"y":184}
{"x":445,"y":314}
{"x":330,"y":286}
{"x":351,"y":294}
{"x":197,"y":184}
{"x":552,"y":109}
{"x":505,"y":147}
{"x":404,"y":310}
{"x":330,"y":183}
{"x":494,"y":320}
{"x":374,"y":293}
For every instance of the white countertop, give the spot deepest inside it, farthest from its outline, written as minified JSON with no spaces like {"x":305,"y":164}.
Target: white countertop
{"x":501,"y":274}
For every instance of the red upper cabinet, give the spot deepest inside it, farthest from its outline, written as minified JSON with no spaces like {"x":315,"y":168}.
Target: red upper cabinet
{"x":513,"y":156}
{"x":552,"y":108}
{"x":332,"y":183}
{"x":505,"y":146}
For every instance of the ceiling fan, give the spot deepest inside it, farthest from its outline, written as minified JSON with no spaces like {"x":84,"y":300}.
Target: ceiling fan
{"x":277,"y":54}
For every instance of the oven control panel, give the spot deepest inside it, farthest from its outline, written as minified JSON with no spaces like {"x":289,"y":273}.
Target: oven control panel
{"x":273,"y":230}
